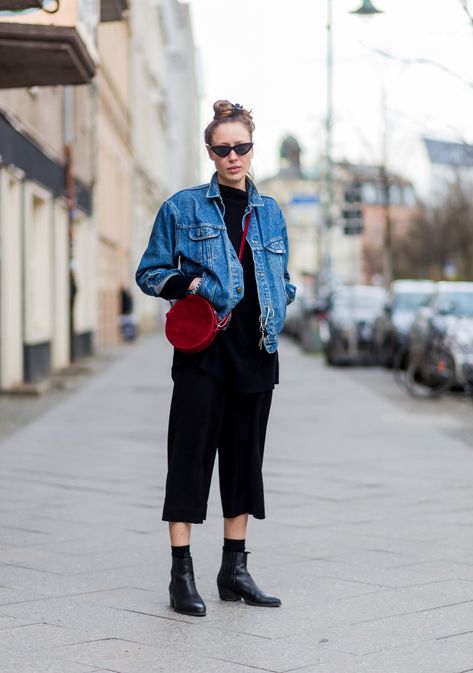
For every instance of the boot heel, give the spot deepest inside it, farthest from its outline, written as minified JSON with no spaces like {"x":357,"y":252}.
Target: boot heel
{"x":171,"y":602}
{"x":227,"y":594}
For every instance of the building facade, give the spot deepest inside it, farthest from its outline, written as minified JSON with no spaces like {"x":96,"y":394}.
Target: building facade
{"x":114,"y":171}
{"x":297,"y":194}
{"x":44,"y":324}
{"x":387,"y":204}
{"x":165,"y":124}
{"x":349,"y":252}
{"x":92,"y":99}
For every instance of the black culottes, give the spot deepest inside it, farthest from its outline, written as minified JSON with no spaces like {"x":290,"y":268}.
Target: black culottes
{"x":207,"y":415}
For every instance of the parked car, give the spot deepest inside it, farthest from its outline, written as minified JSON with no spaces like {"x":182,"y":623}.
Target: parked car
{"x":392,"y":326}
{"x":347,"y":333}
{"x":303,"y":306}
{"x":302,"y":320}
{"x":446,"y":322}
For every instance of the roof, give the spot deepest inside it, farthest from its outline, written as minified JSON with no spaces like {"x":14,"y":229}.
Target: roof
{"x":449,"y":154}
{"x":454,"y":286}
{"x":369,"y":173}
{"x":411,"y":285}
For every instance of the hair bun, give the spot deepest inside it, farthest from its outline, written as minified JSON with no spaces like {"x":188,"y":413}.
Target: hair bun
{"x":223,"y":108}
{"x":225,"y":111}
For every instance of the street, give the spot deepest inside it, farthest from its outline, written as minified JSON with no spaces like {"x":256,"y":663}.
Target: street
{"x":368,"y":538}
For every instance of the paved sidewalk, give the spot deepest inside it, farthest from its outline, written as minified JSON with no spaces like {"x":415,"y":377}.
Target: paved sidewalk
{"x":368,"y":539}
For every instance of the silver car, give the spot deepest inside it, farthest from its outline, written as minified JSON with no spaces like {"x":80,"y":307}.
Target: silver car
{"x":447,"y":318}
{"x":392,"y":326}
{"x":347,"y":332}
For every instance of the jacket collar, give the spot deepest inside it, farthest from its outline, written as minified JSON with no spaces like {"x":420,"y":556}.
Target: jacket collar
{"x":254,"y":199}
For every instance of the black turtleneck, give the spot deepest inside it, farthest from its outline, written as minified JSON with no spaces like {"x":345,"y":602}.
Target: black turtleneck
{"x":234,"y":355}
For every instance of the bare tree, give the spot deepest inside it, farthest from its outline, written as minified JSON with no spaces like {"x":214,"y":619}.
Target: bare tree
{"x":440,"y":239}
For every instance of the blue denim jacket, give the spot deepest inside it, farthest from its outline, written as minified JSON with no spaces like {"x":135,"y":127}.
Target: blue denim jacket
{"x":189,"y":237}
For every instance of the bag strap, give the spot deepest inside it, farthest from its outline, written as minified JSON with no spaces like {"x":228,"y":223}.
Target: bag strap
{"x":243,"y":238}
{"x":224,"y":321}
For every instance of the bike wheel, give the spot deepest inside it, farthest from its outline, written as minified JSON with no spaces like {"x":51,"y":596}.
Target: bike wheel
{"x":431,"y":374}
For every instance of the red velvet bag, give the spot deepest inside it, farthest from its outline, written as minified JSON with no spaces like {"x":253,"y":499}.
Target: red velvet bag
{"x":192,"y":322}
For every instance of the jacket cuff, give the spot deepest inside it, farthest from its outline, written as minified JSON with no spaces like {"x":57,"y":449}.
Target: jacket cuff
{"x":176,"y":287}
{"x":290,"y":292}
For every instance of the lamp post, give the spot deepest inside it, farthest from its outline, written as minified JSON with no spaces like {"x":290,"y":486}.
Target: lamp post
{"x":367,"y":9}
{"x":328,"y":200}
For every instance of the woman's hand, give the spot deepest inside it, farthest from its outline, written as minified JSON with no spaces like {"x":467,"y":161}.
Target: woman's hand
{"x":195,"y":284}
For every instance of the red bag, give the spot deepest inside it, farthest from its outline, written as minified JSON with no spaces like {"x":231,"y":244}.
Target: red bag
{"x":192,"y":323}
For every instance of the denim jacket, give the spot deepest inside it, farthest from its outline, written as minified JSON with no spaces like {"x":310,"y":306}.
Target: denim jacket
{"x":189,"y":237}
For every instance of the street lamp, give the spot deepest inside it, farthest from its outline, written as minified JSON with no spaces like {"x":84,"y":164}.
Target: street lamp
{"x":367,"y":9}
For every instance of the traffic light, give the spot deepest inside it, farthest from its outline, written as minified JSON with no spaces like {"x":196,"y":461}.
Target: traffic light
{"x":352,"y":212}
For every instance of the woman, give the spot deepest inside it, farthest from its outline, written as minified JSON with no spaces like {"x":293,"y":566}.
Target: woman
{"x":222,"y":395}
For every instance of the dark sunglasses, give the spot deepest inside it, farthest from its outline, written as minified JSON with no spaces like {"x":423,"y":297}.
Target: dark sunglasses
{"x":224,"y":150}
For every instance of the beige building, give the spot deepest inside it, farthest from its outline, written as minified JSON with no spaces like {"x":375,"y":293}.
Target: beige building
{"x":49,"y":129}
{"x":351,"y":251}
{"x":98,"y":125}
{"x":297,"y":195}
{"x":185,"y":134}
{"x":387,"y":203}
{"x":148,"y":112}
{"x":164,"y":109}
{"x":46,"y":175}
{"x":114,"y":168}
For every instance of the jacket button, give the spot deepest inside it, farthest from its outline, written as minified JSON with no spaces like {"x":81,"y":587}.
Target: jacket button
{"x":239,"y":290}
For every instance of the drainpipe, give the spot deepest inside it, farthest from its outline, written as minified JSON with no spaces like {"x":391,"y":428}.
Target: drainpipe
{"x":71,"y":207}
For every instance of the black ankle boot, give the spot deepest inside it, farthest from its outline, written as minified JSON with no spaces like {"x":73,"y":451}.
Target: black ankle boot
{"x":183,"y":594}
{"x":235,"y":582}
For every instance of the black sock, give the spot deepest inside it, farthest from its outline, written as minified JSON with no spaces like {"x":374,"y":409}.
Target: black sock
{"x":233,"y":545}
{"x":182,"y":551}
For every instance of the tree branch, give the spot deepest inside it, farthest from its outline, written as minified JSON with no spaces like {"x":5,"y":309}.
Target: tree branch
{"x":468,"y":12}
{"x":419,"y":61}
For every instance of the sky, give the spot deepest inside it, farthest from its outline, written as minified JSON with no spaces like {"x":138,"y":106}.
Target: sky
{"x":270,"y":56}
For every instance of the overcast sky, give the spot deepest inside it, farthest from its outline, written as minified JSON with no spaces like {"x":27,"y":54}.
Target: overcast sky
{"x":269,"y":55}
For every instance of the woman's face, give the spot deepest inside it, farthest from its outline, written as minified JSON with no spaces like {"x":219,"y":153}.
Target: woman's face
{"x":232,"y":169}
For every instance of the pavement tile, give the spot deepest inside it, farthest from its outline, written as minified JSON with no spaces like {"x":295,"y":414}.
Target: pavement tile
{"x":454,"y":655}
{"x":379,"y":635}
{"x":58,"y":563}
{"x":10,"y":595}
{"x":41,"y":583}
{"x":71,"y":614}
{"x":237,"y":650}
{"x":10,"y":622}
{"x":36,"y":636}
{"x":27,"y":663}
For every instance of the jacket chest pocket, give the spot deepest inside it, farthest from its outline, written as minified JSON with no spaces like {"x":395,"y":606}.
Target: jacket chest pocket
{"x":275,"y":250}
{"x":204,"y":241}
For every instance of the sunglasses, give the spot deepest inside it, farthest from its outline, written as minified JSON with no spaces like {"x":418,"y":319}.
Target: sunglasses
{"x":224,"y":150}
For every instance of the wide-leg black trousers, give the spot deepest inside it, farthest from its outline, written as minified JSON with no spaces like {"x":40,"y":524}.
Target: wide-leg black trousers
{"x":207,"y":415}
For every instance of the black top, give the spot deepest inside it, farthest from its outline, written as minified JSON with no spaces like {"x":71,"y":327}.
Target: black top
{"x":234,"y":355}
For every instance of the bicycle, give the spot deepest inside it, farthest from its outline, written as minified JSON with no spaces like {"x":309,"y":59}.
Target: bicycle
{"x":429,"y":372}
